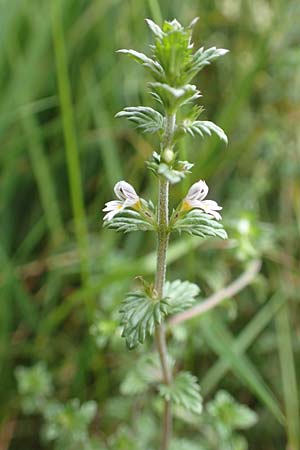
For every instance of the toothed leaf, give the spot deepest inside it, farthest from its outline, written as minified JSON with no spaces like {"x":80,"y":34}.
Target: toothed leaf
{"x":183,"y":392}
{"x":172,"y":97}
{"x":200,"y":224}
{"x":139,"y":315}
{"x":146,"y":119}
{"x":150,"y":64}
{"x":202,"y":58}
{"x":156,"y":30}
{"x":180,"y":295}
{"x":202,"y":127}
{"x":129,"y":220}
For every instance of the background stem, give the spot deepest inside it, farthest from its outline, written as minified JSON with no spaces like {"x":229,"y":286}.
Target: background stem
{"x":162,"y":246}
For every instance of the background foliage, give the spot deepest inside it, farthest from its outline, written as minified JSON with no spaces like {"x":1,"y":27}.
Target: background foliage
{"x":63,"y":276}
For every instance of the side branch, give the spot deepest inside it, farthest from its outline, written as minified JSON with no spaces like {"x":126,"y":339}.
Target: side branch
{"x":215,"y":299}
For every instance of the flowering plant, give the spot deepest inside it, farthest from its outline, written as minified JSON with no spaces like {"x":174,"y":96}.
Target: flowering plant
{"x":173,"y":65}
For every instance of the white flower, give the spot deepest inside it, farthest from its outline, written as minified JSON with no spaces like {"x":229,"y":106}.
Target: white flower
{"x":127,"y":196}
{"x":195,"y":199}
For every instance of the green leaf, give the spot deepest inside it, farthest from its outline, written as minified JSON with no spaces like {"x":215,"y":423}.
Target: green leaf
{"x":139,"y":315}
{"x":230,"y":413}
{"x":35,"y":387}
{"x":202,"y":127}
{"x":129,"y":220}
{"x":68,"y":423}
{"x":202,"y":58}
{"x":147,"y":119}
{"x":180,"y":295}
{"x":156,"y":30}
{"x":145,"y":371}
{"x":172,"y":50}
{"x":200,"y":224}
{"x":174,"y":97}
{"x":184,"y":392}
{"x":173,"y":173}
{"x":150,"y":64}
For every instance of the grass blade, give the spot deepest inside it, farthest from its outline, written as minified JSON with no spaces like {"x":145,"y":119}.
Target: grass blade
{"x":221,"y":341}
{"x":72,"y":155}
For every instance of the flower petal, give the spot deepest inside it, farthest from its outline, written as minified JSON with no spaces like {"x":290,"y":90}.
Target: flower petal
{"x":198,"y":191}
{"x":211,"y":204}
{"x":111,"y":214}
{"x":211,"y":207}
{"x":111,"y":206}
{"x":125,"y":192}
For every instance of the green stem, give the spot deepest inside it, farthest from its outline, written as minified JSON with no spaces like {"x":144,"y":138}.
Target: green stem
{"x":161,"y":266}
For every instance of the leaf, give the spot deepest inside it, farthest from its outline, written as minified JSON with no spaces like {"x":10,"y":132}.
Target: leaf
{"x":129,"y":220}
{"x":139,"y":315}
{"x":35,"y":387}
{"x":180,"y":295}
{"x":153,"y":66}
{"x":174,"y":97}
{"x":202,"y":58}
{"x":288,"y":366}
{"x":184,"y":392}
{"x":225,"y":409}
{"x":147,"y":119}
{"x":146,"y":371}
{"x":68,"y":423}
{"x":200,"y":224}
{"x":174,"y":173}
{"x":173,"y":51}
{"x":156,"y":30}
{"x":202,"y":127}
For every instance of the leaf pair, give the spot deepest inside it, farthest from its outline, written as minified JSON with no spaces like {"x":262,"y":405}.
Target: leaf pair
{"x":140,"y":313}
{"x":173,"y":62}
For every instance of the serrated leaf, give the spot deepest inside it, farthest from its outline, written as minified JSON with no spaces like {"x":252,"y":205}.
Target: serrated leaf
{"x":34,"y":386}
{"x":172,"y":50}
{"x":147,"y":119}
{"x":173,"y":174}
{"x":173,"y":97}
{"x":156,"y":30}
{"x":146,"y":371}
{"x":68,"y":423}
{"x":150,"y":64}
{"x":180,"y":295}
{"x":139,"y":315}
{"x":202,"y":58}
{"x":200,"y":224}
{"x":202,"y":127}
{"x":184,"y":392}
{"x":230,"y":413}
{"x":128,"y":221}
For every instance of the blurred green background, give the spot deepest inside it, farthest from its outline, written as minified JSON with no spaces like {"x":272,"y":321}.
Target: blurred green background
{"x":62,"y":152}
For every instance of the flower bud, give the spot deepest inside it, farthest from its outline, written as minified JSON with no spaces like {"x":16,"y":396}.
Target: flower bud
{"x":168,"y":155}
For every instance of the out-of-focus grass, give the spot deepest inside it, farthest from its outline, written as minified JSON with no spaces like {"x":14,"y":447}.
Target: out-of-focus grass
{"x":61,"y":84}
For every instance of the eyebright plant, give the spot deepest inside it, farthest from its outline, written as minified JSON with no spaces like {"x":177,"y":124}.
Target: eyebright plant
{"x":173,"y":64}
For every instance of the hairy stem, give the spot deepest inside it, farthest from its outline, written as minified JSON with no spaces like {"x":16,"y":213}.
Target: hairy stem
{"x":162,"y":246}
